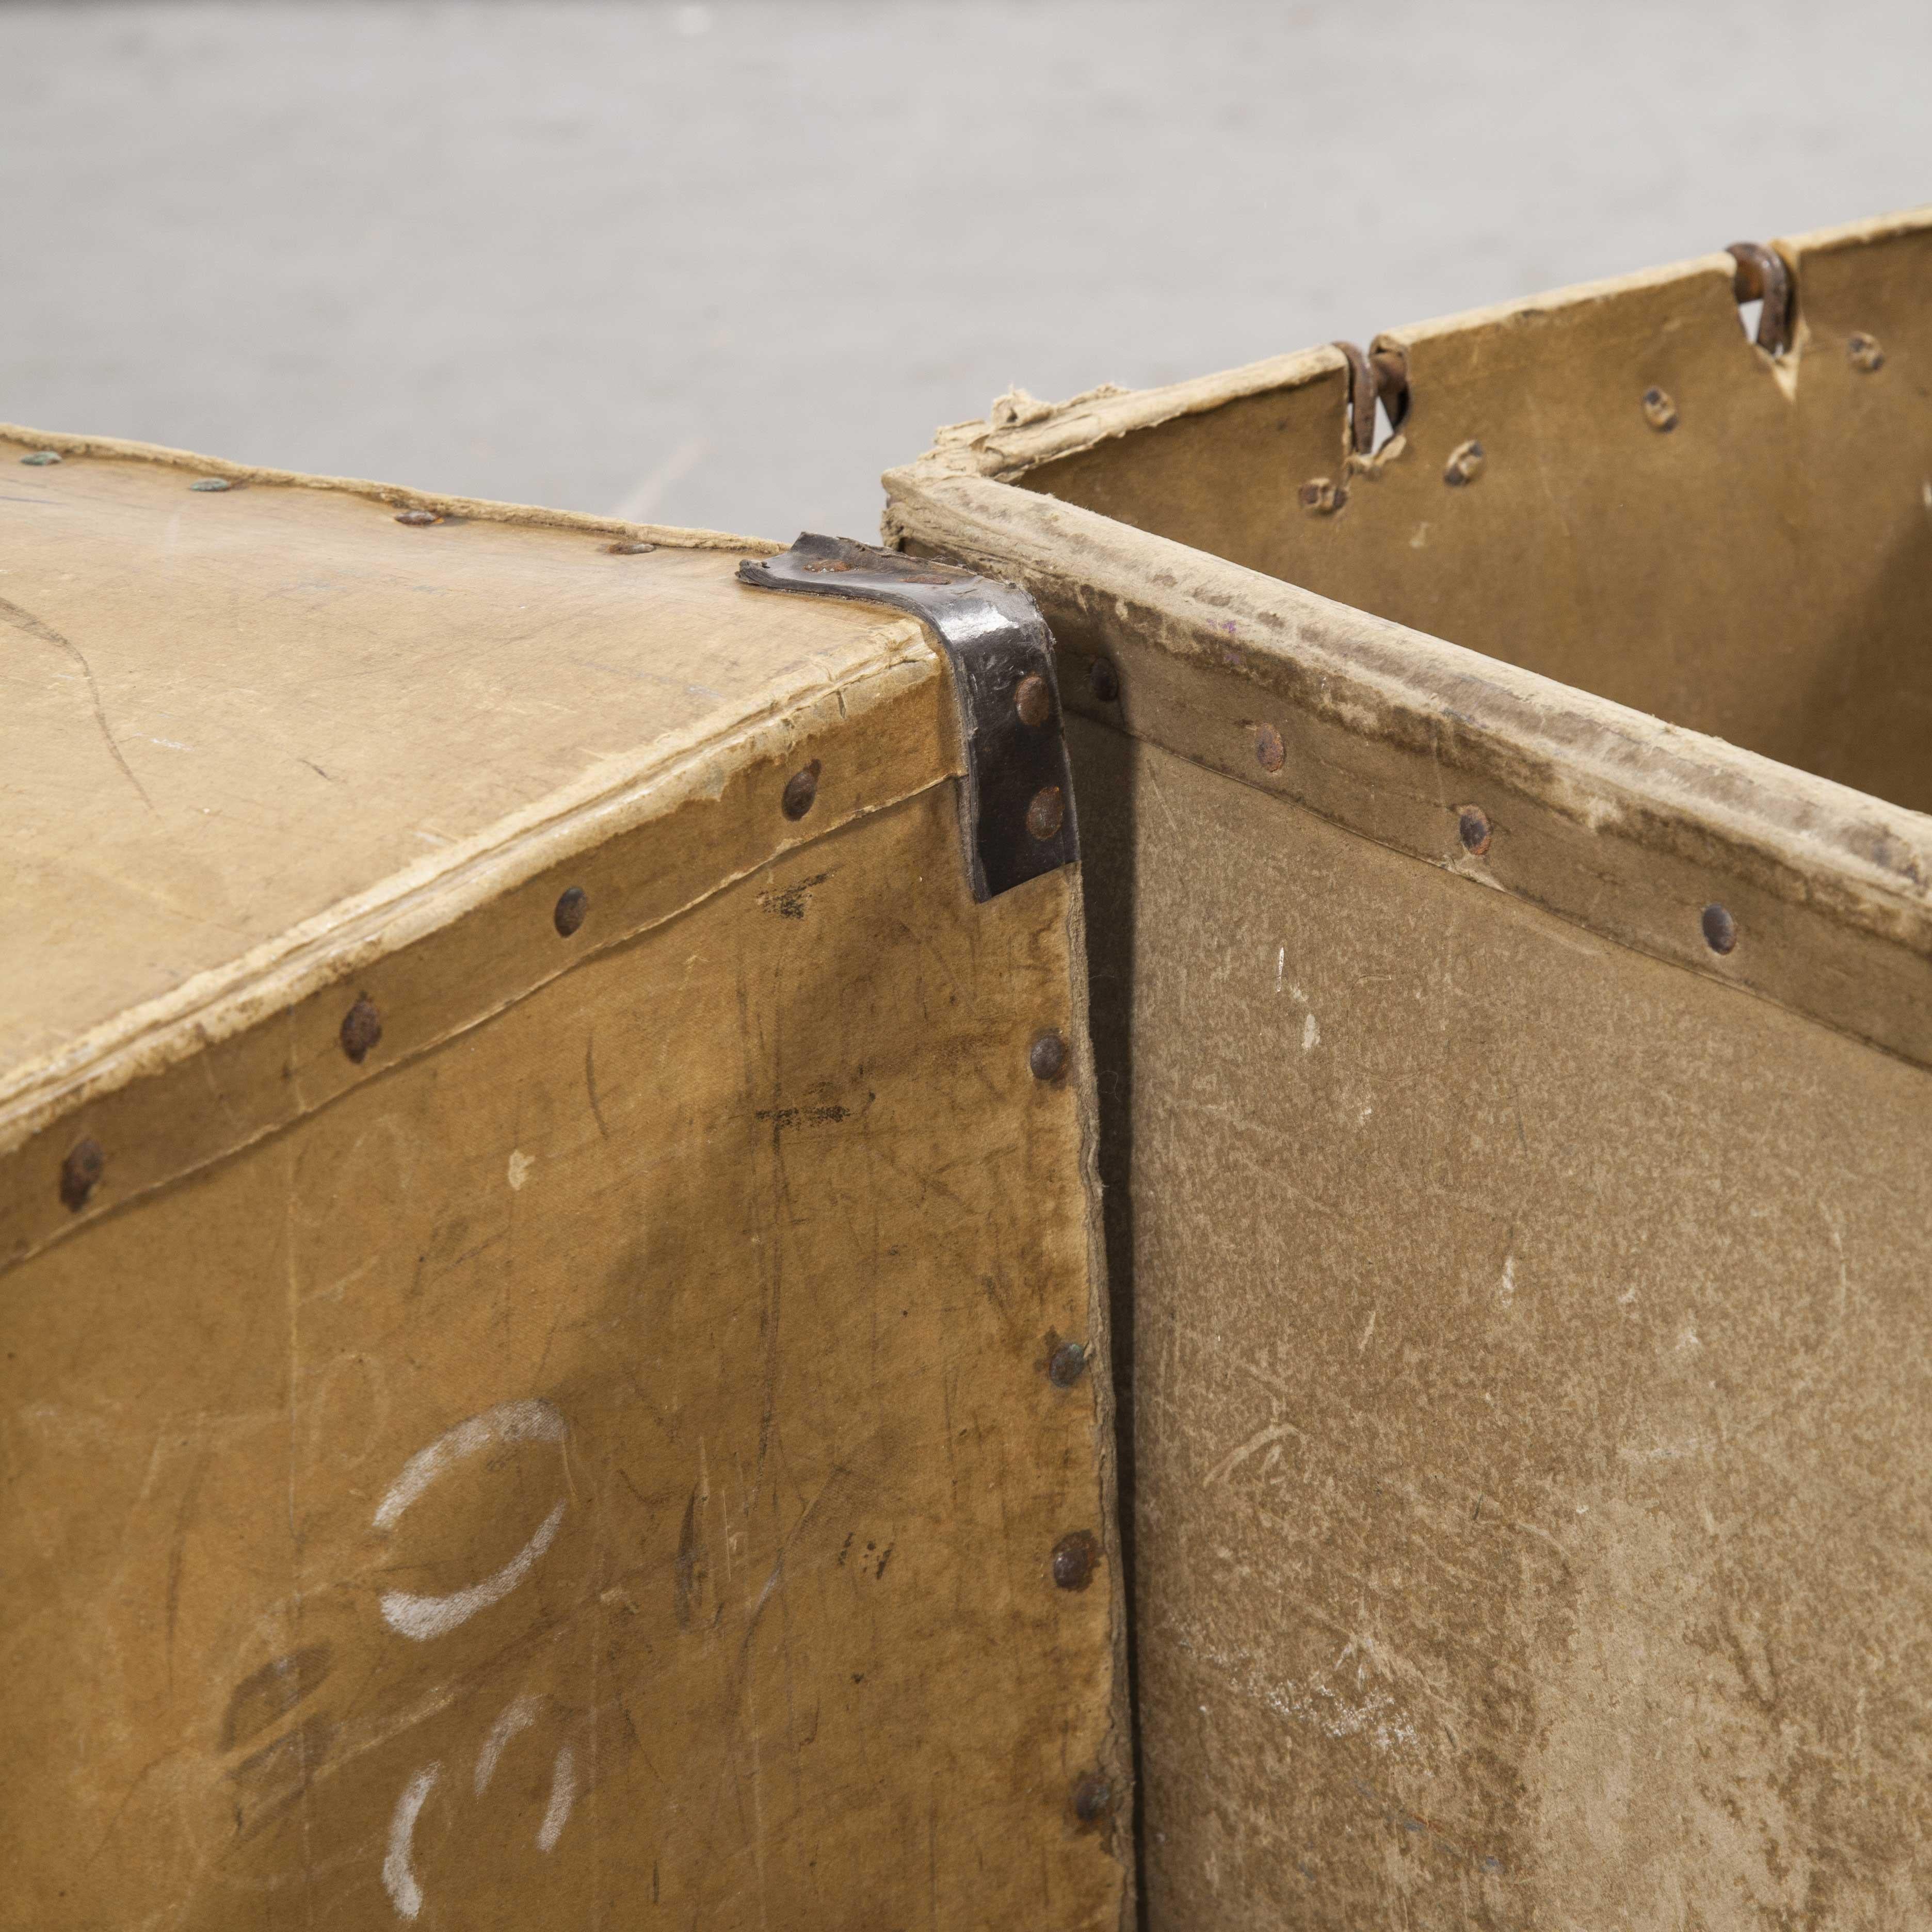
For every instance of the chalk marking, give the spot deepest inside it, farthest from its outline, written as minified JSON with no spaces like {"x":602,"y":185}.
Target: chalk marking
{"x":563,"y":1796}
{"x":530,"y":1420}
{"x":399,"y":1881}
{"x":520,"y":1716}
{"x":422,"y":1618}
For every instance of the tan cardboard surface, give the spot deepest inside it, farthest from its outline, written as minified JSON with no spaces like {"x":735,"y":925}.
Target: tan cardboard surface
{"x":1528,"y":1359}
{"x":598,"y":1468}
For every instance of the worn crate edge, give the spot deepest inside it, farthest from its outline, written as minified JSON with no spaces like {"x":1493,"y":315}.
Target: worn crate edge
{"x":1616,"y":821}
{"x":478,"y":509}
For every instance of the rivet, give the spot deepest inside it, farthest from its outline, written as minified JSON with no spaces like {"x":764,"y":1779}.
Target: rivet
{"x":829,"y":564}
{"x":361,"y":1028}
{"x":1074,"y":1557}
{"x":1472,"y":827}
{"x":39,"y":459}
{"x":1270,"y":753}
{"x":80,"y":1172}
{"x":1093,"y":1796}
{"x":801,"y":790}
{"x":1046,"y":813}
{"x":1720,"y":930}
{"x":210,"y":483}
{"x":628,"y":549}
{"x":572,"y":908}
{"x":1103,"y":681}
{"x":1465,"y":464}
{"x":1659,"y":411}
{"x":1032,"y":700}
{"x":1047,"y":1056}
{"x":1865,"y":354}
{"x":1067,"y":1365}
{"x":1323,"y":496}
{"x":418,"y":520}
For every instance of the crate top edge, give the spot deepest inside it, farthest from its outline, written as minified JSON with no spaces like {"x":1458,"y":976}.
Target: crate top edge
{"x":1847,"y":862}
{"x":1021,"y":433}
{"x":396,"y":496}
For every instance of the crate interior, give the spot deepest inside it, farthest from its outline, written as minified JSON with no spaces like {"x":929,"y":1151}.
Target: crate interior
{"x":1759,"y":567}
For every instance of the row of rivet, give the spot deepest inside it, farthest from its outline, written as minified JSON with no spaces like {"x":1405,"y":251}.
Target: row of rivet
{"x":1760,"y":276}
{"x":1076,"y":1556}
{"x":1473,"y":828}
{"x":1324,"y":495}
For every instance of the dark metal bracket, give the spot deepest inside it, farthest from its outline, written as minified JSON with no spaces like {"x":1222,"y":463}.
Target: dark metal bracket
{"x":1016,"y":799}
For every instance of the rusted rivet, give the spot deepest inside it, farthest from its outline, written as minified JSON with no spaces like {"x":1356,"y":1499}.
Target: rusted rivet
{"x":1074,"y":1557}
{"x":801,"y":790}
{"x":1067,"y":1365}
{"x":82,"y":1169}
{"x":1047,"y":1056}
{"x":1465,"y":464}
{"x":1865,"y":354}
{"x":361,"y":1028}
{"x":39,"y":459}
{"x":1093,"y":1796}
{"x":1103,"y":680}
{"x":1032,"y":700}
{"x":1720,"y":930}
{"x":1472,"y":827}
{"x":210,"y":483}
{"x":1659,"y":411}
{"x":1045,"y":812}
{"x":628,"y":549}
{"x":1270,"y":753}
{"x":572,"y":908}
{"x":418,"y":520}
{"x":1324,"y":495}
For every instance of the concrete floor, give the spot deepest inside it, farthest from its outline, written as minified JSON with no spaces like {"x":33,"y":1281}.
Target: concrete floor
{"x":720,"y":264}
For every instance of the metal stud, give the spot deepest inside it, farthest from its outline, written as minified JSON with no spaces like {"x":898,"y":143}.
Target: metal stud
{"x":361,"y":1028}
{"x":572,"y":908}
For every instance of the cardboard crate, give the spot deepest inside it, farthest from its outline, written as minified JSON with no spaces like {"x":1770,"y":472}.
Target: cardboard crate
{"x":555,"y":1370}
{"x":1510,"y":921}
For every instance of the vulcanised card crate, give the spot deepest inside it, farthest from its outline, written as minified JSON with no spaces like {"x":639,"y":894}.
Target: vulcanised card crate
{"x":555,"y":1364}
{"x":1509,"y":918}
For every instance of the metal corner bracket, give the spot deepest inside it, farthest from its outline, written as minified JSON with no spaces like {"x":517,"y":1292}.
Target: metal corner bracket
{"x":1016,"y":798}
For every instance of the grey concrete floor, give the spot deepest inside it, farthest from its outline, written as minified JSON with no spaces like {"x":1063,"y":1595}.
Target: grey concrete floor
{"x":720,"y":264}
